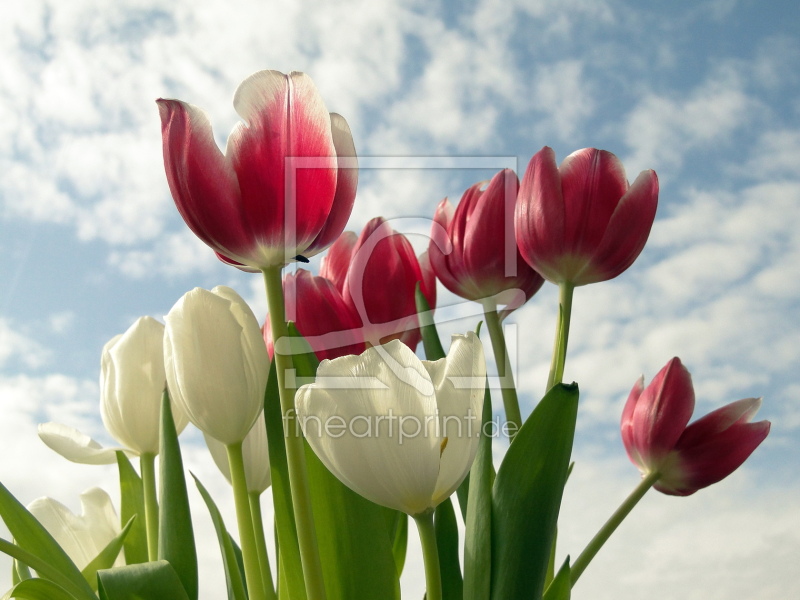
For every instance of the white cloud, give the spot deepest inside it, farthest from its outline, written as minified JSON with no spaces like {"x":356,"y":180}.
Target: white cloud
{"x":17,"y":348}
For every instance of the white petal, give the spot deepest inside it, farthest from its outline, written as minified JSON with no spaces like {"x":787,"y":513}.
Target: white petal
{"x":82,"y":537}
{"x":76,"y":446}
{"x":372,"y":421}
{"x":256,"y":457}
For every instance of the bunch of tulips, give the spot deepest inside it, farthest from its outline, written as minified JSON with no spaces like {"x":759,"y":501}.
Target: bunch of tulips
{"x":328,"y":404}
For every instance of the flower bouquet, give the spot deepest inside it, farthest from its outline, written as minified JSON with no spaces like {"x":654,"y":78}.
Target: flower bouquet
{"x":329,"y":406}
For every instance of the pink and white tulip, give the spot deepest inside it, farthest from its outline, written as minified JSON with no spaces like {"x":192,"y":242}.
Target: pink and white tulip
{"x":285,"y":185}
{"x":582,"y":223}
{"x":687,"y":458}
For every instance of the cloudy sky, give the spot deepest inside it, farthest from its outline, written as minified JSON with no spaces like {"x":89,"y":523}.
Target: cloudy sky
{"x":707,"y":93}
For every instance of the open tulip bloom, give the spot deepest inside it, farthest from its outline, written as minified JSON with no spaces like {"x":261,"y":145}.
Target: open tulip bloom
{"x":347,"y":448}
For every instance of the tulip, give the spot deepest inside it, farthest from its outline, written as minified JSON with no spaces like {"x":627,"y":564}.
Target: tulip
{"x":319,"y":312}
{"x":245,"y":204}
{"x":581,"y":223}
{"x":216,"y":362}
{"x":132,"y":380}
{"x":82,"y":537}
{"x":255,"y":453}
{"x":686,"y":459}
{"x":378,"y":275}
{"x":399,"y":431}
{"x":469,"y":249}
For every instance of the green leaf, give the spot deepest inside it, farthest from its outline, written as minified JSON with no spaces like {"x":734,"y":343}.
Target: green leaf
{"x":430,"y":337}
{"x":38,"y":589}
{"x":444,"y":522}
{"x":132,"y":504}
{"x":33,"y":538}
{"x":355,"y":536}
{"x":175,"y":535}
{"x":527,"y":495}
{"x":400,"y":543}
{"x":19,"y":572}
{"x":290,"y":571}
{"x":233,"y":572}
{"x":478,"y":536}
{"x":46,"y":571}
{"x":155,"y":580}
{"x":107,"y":556}
{"x":560,"y":588}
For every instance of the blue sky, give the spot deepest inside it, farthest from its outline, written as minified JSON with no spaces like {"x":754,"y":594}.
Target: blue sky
{"x":705,"y":93}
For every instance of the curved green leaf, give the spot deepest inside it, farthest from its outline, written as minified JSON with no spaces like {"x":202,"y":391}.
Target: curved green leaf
{"x":444,"y":522}
{"x":175,"y":536}
{"x":38,"y":589}
{"x":155,"y":580}
{"x":47,"y":571}
{"x":106,"y":557}
{"x":132,"y":503}
{"x":527,"y":496}
{"x":561,"y":586}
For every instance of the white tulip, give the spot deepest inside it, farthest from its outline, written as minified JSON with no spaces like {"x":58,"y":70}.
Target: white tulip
{"x":132,"y":380}
{"x":216,"y":362}
{"x":256,"y":457}
{"x":81,"y":537}
{"x":399,"y":431}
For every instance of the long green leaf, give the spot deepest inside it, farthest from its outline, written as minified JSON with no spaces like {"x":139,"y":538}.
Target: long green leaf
{"x":107,"y":556}
{"x":46,"y":570}
{"x":38,"y":589}
{"x":290,"y":570}
{"x":32,"y":537}
{"x":400,"y":540}
{"x":355,"y":536}
{"x":175,"y":535}
{"x":132,"y":503}
{"x":233,"y":574}
{"x":430,"y":336}
{"x":19,"y":572}
{"x":478,"y":536}
{"x":561,"y":586}
{"x":155,"y":580}
{"x":444,"y":522}
{"x":527,"y":495}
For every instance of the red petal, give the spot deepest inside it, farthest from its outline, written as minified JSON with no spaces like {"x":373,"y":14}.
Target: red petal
{"x":626,"y":423}
{"x":337,"y":262}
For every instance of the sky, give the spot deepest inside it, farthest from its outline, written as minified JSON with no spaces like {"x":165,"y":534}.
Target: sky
{"x":706,"y":93}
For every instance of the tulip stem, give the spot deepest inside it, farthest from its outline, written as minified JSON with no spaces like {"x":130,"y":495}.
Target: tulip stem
{"x":147,"y":463}
{"x":566,"y":289}
{"x":261,"y":545}
{"x":430,"y":555}
{"x":504,"y":371}
{"x":601,"y":537}
{"x":293,"y":439}
{"x":247,"y":537}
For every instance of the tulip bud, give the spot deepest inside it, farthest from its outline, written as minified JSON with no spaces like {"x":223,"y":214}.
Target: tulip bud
{"x":399,"y":431}
{"x":82,"y":536}
{"x":473,"y":246}
{"x":581,"y":223}
{"x":216,"y":362}
{"x":656,"y":437}
{"x":286,"y":183}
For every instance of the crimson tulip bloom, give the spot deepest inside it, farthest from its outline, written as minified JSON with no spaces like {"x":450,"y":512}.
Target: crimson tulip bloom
{"x":377,"y":274}
{"x":286,"y":183}
{"x":472,"y":245}
{"x":581,"y":223}
{"x":656,"y":436}
{"x":321,"y":315}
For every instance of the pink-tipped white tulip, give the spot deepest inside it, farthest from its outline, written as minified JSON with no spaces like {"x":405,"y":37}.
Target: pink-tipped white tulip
{"x":688,"y":458}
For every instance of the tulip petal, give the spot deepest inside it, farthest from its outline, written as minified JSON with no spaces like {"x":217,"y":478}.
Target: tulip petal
{"x":285,"y":160}
{"x":460,"y":381}
{"x":336,"y":262}
{"x":662,"y":412}
{"x":386,"y":448}
{"x":626,"y":423}
{"x":346,"y":184}
{"x":76,"y":446}
{"x":255,"y":454}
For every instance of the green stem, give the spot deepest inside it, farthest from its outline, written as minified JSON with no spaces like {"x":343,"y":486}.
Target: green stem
{"x":562,"y":334}
{"x":247,"y":537}
{"x":611,"y":525}
{"x":261,"y":545}
{"x":147,"y":464}
{"x":295,"y":450}
{"x":506,"y":376}
{"x":430,"y":555}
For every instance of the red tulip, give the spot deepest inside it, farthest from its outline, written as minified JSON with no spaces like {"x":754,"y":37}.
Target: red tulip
{"x":479,"y":237}
{"x":377,"y":274}
{"x":286,"y":183}
{"x":320,"y":313}
{"x":656,"y":436}
{"x":581,"y":223}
